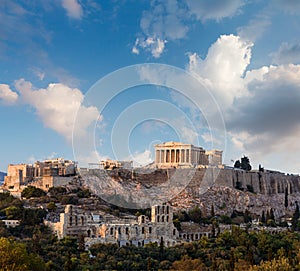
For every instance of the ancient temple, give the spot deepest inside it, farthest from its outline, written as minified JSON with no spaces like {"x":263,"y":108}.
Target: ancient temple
{"x":174,"y":154}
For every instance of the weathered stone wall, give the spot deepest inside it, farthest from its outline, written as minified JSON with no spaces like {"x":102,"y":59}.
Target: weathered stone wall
{"x":267,"y":183}
{"x":268,"y":187}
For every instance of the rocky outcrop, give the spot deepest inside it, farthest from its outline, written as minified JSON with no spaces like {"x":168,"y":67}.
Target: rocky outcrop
{"x":227,"y":189}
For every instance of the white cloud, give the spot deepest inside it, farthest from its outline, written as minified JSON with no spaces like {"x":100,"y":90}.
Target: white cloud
{"x":163,"y":22}
{"x":141,"y":158}
{"x":214,"y":9}
{"x":7,"y":96}
{"x":261,"y":106}
{"x":266,"y":123}
{"x":154,"y":45}
{"x":256,"y":27}
{"x":168,"y":20}
{"x":73,"y":8}
{"x":57,"y":106}
{"x":223,"y":68}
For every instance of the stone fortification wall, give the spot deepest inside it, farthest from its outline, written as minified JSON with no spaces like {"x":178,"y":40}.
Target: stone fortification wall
{"x":267,"y":183}
{"x":268,"y":187}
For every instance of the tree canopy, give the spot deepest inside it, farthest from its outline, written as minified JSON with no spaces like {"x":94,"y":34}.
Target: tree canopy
{"x":244,"y":163}
{"x":31,"y":191}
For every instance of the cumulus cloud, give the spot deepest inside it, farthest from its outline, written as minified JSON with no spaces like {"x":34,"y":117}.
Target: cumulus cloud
{"x":141,"y":158}
{"x":223,"y":68}
{"x":214,"y":9}
{"x":261,"y":106}
{"x":57,"y":106}
{"x":154,"y":45}
{"x":163,"y":22}
{"x":287,"y":53}
{"x":279,"y":96}
{"x":168,"y":20}
{"x":267,"y":122}
{"x":7,"y":96}
{"x":73,"y":8}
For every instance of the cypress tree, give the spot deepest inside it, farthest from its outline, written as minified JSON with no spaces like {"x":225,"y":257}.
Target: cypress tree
{"x":286,"y":200}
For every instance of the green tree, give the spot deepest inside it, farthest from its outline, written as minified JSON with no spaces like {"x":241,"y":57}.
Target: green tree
{"x":186,"y":263}
{"x":51,"y":206}
{"x":245,"y":163}
{"x":195,"y":214}
{"x":263,"y":217}
{"x":286,"y":197}
{"x":31,"y":191}
{"x":14,"y":212}
{"x":237,"y":164}
{"x":296,"y":217}
{"x":212,"y":210}
{"x":14,"y":257}
{"x":281,"y":264}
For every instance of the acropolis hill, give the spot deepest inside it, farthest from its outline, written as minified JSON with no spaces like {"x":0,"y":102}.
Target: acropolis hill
{"x":228,"y":189}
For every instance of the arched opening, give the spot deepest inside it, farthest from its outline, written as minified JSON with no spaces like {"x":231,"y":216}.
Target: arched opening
{"x":162,"y":218}
{"x":89,"y":233}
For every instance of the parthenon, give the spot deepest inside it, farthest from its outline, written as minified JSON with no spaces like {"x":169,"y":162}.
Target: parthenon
{"x":173,"y":154}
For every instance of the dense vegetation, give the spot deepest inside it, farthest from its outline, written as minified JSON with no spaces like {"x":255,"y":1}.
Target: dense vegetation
{"x":238,"y":250}
{"x":31,"y":245}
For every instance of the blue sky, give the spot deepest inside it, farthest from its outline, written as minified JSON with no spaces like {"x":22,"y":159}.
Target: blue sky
{"x":245,"y":56}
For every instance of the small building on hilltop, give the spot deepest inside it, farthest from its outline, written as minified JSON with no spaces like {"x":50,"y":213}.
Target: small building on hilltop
{"x":42,"y":174}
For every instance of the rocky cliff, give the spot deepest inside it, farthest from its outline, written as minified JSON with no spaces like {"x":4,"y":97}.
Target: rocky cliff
{"x":227,"y":189}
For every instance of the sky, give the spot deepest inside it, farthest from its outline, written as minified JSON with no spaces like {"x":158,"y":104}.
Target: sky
{"x":89,"y":80}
